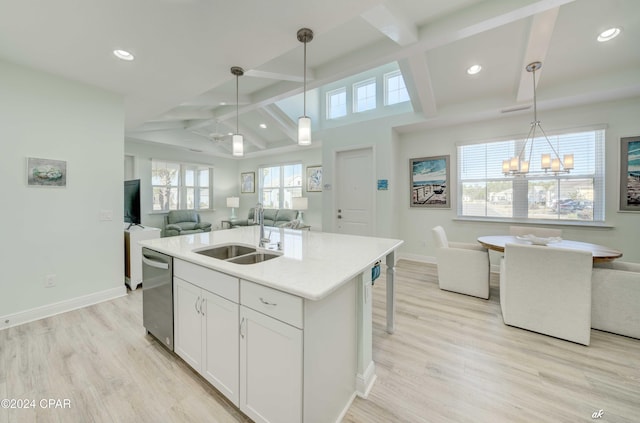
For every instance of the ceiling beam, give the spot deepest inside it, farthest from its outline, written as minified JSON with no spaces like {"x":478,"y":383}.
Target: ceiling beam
{"x":281,"y":120}
{"x":388,"y":20}
{"x":417,"y":79}
{"x":537,"y":48}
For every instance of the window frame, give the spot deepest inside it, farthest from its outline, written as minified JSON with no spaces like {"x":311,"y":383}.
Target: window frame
{"x":522,"y":188}
{"x":329,"y":95}
{"x":356,"y":97}
{"x":181,"y":188}
{"x":387,"y":76}
{"x":281,"y":187}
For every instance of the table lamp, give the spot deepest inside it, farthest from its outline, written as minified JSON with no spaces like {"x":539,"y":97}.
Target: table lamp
{"x":233,"y":202}
{"x":300,"y":204}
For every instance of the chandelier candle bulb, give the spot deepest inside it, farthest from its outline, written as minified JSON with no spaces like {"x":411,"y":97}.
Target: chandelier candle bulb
{"x":545,"y":161}
{"x":505,"y":166}
{"x":515,"y":164}
{"x":568,"y":161}
{"x":555,"y":165}
{"x":524,"y":166}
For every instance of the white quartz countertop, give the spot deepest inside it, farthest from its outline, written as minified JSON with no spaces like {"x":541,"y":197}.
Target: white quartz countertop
{"x":312,"y":265}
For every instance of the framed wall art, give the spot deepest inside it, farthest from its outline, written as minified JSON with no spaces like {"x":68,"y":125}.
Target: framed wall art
{"x":247,"y":182}
{"x":46,"y":172}
{"x":429,"y":182}
{"x":314,"y":178}
{"x":630,"y":174}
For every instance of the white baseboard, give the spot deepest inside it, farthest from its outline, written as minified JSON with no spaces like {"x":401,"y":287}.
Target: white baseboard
{"x":48,"y":310}
{"x":364,"y":382}
{"x":417,"y":257}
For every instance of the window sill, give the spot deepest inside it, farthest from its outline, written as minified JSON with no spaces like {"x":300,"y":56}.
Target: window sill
{"x":571,"y":223}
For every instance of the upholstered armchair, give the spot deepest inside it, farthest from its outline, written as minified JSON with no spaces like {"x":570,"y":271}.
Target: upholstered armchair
{"x":182,"y":222}
{"x":462,"y":267}
{"x":547,"y":290}
{"x":272,"y":217}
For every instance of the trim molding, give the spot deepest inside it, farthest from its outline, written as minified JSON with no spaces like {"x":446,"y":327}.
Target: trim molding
{"x":48,"y":310}
{"x":364,"y":382}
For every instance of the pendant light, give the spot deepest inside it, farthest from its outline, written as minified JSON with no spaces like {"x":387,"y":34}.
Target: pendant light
{"x":237,"y":142}
{"x":305,"y":35}
{"x":519,"y":165}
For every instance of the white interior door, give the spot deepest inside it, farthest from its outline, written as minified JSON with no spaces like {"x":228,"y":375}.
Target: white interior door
{"x":354,"y":184}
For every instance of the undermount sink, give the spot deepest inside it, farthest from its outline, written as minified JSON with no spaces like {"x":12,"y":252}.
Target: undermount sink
{"x":227,"y":251}
{"x":253,"y":258}
{"x":239,"y":254}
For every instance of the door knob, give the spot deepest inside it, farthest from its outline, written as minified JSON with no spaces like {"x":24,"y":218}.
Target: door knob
{"x":339,"y":217}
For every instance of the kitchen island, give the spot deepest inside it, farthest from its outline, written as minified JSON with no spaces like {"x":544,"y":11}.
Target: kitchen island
{"x":286,"y":339}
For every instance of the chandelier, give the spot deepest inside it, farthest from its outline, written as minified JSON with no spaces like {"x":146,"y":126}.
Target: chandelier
{"x":519,"y":165}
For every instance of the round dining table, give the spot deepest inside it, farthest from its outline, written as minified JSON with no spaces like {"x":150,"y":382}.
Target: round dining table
{"x":600,"y":253}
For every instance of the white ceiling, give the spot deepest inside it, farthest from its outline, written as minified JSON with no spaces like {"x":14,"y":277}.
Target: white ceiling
{"x":184,"y":50}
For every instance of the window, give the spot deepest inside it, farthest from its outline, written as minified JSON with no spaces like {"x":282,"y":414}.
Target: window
{"x":279,"y":184}
{"x":179,"y":186}
{"x":364,"y":95}
{"x":337,"y":103}
{"x":484,"y":191}
{"x":394,"y":89}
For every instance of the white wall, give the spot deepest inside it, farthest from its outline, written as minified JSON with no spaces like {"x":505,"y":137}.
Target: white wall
{"x":622,"y":120}
{"x":225,"y":183}
{"x":57,"y":231}
{"x":308,"y":156}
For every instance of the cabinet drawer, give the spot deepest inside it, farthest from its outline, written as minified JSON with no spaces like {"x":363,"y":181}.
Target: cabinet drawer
{"x":219,"y":283}
{"x":274,"y":303}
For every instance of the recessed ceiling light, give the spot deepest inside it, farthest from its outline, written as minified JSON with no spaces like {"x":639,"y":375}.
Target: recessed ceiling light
{"x":123,"y":55}
{"x":263,"y":125}
{"x":223,"y":103}
{"x":472,"y":70}
{"x":609,"y":34}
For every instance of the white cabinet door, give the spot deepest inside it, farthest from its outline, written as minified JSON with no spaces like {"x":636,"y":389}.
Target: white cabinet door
{"x":270,"y":369}
{"x":221,"y":338}
{"x":187,"y":322}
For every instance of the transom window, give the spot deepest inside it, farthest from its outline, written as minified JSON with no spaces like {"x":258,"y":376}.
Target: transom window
{"x":181,"y":186}
{"x":484,"y":191}
{"x":337,"y":103}
{"x":278,"y":185}
{"x":395,"y":90}
{"x":364,"y":95}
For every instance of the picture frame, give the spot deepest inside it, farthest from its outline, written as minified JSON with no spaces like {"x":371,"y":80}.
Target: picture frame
{"x":46,"y":172}
{"x":314,"y":178}
{"x":429,"y":182}
{"x":247,"y":182}
{"x":630,"y":174}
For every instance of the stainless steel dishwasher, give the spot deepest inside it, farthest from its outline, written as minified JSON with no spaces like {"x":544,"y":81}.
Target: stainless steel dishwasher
{"x":157,"y":295}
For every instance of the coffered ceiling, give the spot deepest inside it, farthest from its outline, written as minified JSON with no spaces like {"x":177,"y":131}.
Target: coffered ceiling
{"x":179,"y":90}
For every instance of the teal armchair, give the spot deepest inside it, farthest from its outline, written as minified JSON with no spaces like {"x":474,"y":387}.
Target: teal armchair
{"x":182,"y":222}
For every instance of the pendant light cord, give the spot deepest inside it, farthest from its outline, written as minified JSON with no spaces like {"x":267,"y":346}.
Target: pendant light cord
{"x":304,"y":101}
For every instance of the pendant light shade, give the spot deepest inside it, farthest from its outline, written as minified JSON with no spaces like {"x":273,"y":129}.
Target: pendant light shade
{"x":305,"y":35}
{"x":237,"y":141}
{"x":304,"y":130}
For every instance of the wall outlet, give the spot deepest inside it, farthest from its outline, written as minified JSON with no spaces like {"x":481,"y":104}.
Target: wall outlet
{"x":49,"y":281}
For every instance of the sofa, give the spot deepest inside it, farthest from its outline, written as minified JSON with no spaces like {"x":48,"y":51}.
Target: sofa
{"x":182,"y":222}
{"x":272,"y":217}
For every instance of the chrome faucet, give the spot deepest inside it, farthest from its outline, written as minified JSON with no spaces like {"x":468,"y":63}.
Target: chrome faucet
{"x":259,"y":215}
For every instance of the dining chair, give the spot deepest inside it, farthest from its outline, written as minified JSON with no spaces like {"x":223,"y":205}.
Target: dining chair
{"x":533,"y":230}
{"x":547,"y":290}
{"x":615,"y":299}
{"x":462,"y":267}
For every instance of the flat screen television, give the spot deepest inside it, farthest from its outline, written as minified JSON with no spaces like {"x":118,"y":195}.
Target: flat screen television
{"x":132,"y":202}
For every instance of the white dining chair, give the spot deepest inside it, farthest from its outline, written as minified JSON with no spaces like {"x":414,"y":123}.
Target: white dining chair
{"x":462,"y":267}
{"x":547,"y":290}
{"x":534,"y":230}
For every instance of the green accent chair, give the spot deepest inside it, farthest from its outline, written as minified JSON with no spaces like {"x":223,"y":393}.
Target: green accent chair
{"x":272,"y":217}
{"x":182,"y":222}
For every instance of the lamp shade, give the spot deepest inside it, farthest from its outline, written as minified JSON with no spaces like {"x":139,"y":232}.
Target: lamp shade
{"x":304,"y":130}
{"x":300,"y":203}
{"x":233,"y":201}
{"x":238,"y":145}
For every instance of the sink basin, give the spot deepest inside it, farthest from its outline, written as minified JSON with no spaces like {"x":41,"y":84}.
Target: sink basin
{"x":253,"y":258}
{"x":227,"y":251}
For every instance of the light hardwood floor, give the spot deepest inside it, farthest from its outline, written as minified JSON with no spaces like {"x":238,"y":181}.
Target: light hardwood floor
{"x":450,"y":360}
